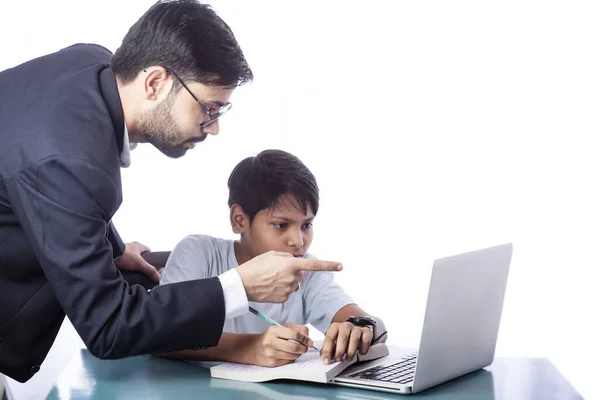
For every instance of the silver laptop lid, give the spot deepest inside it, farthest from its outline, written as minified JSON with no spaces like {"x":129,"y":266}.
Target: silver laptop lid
{"x":463,"y":313}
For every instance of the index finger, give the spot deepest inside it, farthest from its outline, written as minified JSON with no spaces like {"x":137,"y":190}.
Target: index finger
{"x":292,"y":334}
{"x":302,"y":264}
{"x":281,"y":254}
{"x":303,"y":329}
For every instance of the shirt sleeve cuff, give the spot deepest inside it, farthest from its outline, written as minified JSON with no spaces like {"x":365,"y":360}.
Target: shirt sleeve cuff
{"x":236,"y":300}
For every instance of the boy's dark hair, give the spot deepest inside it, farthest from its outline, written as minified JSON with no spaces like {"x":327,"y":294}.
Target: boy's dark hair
{"x":187,"y":37}
{"x":257,"y":183}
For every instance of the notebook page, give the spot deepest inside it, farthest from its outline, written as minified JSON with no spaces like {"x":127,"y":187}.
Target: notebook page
{"x":309,"y":367}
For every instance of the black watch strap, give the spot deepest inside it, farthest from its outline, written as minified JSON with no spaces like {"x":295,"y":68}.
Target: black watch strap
{"x":368,"y":321}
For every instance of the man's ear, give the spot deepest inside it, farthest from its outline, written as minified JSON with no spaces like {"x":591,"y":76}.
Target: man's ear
{"x":238,"y":218}
{"x":157,"y":83}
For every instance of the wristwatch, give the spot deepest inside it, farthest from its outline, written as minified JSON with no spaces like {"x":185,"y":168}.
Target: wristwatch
{"x":362,"y":321}
{"x":367,"y":321}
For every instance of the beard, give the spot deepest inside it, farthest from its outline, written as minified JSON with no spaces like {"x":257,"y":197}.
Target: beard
{"x":160,"y":129}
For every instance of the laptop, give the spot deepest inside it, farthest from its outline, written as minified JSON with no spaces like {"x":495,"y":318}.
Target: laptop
{"x":462,"y":318}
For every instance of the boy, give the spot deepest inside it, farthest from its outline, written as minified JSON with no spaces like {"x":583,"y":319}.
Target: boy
{"x":273,"y":200}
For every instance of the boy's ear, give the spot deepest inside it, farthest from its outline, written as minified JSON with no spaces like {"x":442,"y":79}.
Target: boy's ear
{"x":238,"y":219}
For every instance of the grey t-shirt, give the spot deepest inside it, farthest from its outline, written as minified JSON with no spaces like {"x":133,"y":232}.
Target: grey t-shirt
{"x":316,"y":303}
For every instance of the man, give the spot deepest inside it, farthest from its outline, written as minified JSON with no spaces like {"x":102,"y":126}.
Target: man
{"x":66,"y":121}
{"x":273,"y":202}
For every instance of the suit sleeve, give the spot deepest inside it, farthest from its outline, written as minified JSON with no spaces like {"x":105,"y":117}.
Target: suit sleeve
{"x":118,"y":246}
{"x":64,"y":206}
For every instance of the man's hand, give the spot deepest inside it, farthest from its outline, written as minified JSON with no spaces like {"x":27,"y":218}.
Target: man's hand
{"x":345,"y":339}
{"x":273,"y":348}
{"x":131,"y":260}
{"x":273,"y":276}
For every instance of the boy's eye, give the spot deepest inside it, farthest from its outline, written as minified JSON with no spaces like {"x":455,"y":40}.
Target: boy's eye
{"x":308,"y":225}
{"x":281,"y":226}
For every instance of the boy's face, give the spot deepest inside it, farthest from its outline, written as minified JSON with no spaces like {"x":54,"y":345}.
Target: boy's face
{"x":284,"y":228}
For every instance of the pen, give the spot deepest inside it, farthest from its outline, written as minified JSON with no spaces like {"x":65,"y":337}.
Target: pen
{"x":270,"y":321}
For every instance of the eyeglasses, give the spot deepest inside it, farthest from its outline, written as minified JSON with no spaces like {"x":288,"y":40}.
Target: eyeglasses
{"x":213,"y":113}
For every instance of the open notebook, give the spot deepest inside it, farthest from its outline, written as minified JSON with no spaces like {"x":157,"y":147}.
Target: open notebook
{"x":308,"y":367}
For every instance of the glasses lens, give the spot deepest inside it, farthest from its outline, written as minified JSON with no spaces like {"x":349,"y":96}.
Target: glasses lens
{"x":213,"y":116}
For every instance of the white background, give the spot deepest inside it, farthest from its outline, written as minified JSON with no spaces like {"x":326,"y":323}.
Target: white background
{"x":432,"y":128}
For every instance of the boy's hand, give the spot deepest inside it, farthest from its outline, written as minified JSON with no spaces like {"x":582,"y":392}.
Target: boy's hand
{"x":345,"y":339}
{"x":273,"y":276}
{"x":273,"y":348}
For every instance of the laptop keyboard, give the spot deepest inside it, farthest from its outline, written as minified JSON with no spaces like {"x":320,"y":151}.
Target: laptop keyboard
{"x":400,"y":372}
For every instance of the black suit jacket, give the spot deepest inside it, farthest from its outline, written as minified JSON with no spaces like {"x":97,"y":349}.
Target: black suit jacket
{"x":61,"y":133}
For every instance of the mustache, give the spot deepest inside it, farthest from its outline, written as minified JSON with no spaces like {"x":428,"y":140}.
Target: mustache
{"x":197,"y":140}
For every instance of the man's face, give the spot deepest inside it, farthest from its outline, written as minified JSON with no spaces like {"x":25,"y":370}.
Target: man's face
{"x":173,"y":124}
{"x":284,"y":228}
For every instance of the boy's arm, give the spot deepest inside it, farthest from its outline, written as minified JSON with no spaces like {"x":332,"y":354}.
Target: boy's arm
{"x":232,"y":347}
{"x":270,"y":349}
{"x":189,"y":260}
{"x":192,"y":258}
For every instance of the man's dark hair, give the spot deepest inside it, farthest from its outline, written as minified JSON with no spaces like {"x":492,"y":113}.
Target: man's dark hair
{"x":187,"y":37}
{"x":257,"y":183}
